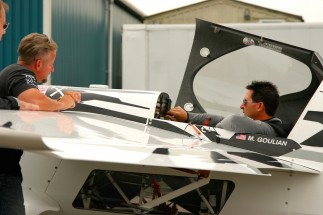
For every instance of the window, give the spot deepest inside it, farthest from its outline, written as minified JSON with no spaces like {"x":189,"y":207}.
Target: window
{"x":220,"y":85}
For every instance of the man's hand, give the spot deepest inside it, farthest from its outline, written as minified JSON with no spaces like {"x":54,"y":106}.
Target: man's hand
{"x":75,"y":95}
{"x":69,"y":99}
{"x":27,"y":106}
{"x":177,"y":114}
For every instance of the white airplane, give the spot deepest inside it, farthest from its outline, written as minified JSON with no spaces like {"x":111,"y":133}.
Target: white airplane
{"x":116,"y":154}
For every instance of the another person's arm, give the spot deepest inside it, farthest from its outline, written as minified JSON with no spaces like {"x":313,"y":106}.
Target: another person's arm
{"x":9,"y":103}
{"x":27,"y":106}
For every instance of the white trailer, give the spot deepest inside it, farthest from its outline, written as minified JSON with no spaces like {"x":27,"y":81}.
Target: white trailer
{"x":155,"y":56}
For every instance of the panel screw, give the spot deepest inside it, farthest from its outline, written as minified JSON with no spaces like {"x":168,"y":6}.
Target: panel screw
{"x":205,"y":52}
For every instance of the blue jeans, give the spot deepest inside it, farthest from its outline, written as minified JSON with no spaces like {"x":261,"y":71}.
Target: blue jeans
{"x":11,"y":197}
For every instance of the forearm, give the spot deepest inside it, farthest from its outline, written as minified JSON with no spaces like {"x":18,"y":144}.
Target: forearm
{"x":56,"y":105}
{"x":204,"y":118}
{"x":45,"y":103}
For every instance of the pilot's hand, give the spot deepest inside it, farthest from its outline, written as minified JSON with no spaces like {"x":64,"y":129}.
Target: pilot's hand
{"x":75,"y":95}
{"x":27,"y":106}
{"x":177,"y":114}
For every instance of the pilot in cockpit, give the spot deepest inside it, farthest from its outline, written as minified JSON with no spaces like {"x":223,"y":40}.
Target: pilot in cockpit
{"x":259,"y":106}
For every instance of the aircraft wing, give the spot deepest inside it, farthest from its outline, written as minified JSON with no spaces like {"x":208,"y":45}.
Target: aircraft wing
{"x":122,"y":126}
{"x":100,"y":138}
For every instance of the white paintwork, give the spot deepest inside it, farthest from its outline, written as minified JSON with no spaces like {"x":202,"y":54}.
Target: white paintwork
{"x":61,"y":149}
{"x":300,"y":132}
{"x":280,"y":194}
{"x":96,"y":136}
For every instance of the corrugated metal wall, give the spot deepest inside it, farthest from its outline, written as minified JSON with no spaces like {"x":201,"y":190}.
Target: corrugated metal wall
{"x":25,"y":16}
{"x":79,"y":28}
{"x":120,"y":17}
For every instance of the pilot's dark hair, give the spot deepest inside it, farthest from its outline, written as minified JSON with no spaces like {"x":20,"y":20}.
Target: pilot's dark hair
{"x":266,"y":92}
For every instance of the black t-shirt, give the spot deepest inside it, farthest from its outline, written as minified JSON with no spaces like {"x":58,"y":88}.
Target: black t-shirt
{"x":14,"y":79}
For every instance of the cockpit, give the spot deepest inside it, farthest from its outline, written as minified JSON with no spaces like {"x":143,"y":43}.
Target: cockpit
{"x":224,"y":61}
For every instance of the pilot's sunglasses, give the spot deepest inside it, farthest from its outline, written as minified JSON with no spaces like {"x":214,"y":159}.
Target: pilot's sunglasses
{"x":5,"y":26}
{"x":244,"y":102}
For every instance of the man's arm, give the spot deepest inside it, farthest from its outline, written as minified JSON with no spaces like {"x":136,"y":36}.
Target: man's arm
{"x":27,"y":106}
{"x":204,"y":119}
{"x":179,"y":114}
{"x":45,"y":103}
{"x":9,"y":103}
{"x":244,"y":124}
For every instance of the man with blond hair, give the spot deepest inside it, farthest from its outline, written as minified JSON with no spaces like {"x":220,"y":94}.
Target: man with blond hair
{"x":36,"y":56}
